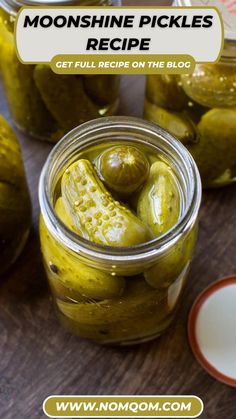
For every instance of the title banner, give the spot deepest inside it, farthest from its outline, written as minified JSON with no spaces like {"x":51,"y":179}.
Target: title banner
{"x":119,"y":39}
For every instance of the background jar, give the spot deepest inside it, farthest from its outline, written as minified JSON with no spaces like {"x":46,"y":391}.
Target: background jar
{"x":15,"y":205}
{"x":139,"y":287}
{"x":200,"y":110}
{"x":42,"y":103}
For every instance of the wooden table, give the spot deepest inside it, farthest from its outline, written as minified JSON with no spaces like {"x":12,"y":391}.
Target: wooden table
{"x":39,"y":358}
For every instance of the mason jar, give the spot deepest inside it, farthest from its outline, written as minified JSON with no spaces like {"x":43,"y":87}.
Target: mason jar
{"x":117,"y":295}
{"x":200,"y":108}
{"x":15,"y":206}
{"x":42,"y":103}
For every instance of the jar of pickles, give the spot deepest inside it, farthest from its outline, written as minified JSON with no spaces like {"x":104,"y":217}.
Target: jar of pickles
{"x":200,"y":108}
{"x":15,"y":206}
{"x":42,"y":103}
{"x":119,"y":204}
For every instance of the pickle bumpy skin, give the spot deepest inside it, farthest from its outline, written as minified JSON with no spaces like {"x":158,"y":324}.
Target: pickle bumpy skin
{"x":159,"y":201}
{"x":96,"y":215}
{"x":123,"y":169}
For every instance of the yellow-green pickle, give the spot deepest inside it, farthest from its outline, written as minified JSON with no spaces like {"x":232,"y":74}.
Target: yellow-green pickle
{"x":42,"y":103}
{"x":114,"y":250}
{"x":15,"y":206}
{"x":200,"y":110}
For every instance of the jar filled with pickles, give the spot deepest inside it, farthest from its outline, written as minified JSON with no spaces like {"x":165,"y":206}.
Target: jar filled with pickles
{"x":44,"y":104}
{"x":15,"y":206}
{"x":200,"y":108}
{"x":119,"y":202}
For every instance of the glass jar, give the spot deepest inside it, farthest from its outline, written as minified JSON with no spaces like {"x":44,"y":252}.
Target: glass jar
{"x":200,"y":110}
{"x":42,"y":103}
{"x":15,"y":206}
{"x":111,"y":294}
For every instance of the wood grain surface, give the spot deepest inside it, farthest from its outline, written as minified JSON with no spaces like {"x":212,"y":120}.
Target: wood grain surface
{"x":39,"y":358}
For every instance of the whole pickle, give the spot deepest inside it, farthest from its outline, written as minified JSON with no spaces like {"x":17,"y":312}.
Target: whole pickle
{"x":178,"y":124}
{"x":171,"y":265}
{"x":64,"y":97}
{"x":102,"y":89}
{"x":211,"y":85}
{"x":63,"y":213}
{"x":123,"y":168}
{"x":166,"y":91}
{"x":15,"y":207}
{"x":25,"y":102}
{"x":159,"y":201}
{"x":96,"y":215}
{"x":215,"y":151}
{"x":134,"y":315}
{"x":80,"y":279}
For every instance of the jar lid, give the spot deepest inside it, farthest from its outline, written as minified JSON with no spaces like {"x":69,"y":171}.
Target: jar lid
{"x":12,"y":6}
{"x":212,"y":330}
{"x":227,"y":9}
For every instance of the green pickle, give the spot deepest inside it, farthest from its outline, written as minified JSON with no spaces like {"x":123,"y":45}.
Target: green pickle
{"x":159,"y":201}
{"x":47,"y":105}
{"x":15,"y":206}
{"x":108,"y":303}
{"x":123,"y":169}
{"x":199,"y":109}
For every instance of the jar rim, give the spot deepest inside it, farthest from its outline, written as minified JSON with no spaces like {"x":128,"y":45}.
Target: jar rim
{"x":142,"y":252}
{"x":13,"y":6}
{"x":227,"y":10}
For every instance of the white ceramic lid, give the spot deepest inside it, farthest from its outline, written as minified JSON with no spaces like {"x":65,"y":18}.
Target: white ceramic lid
{"x":212,"y":330}
{"x":227,"y":9}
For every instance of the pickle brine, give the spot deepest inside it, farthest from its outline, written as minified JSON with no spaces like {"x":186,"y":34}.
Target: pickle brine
{"x":116,"y":196}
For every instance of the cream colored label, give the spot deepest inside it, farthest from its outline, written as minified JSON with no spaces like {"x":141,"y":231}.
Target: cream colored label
{"x":123,"y":407}
{"x":140,"y":40}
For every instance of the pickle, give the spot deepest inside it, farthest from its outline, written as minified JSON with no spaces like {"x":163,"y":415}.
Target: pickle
{"x":15,"y":207}
{"x":103,"y":90}
{"x":26,"y":105}
{"x":213,"y":86}
{"x":64,"y":97}
{"x":134,"y":315}
{"x":159,"y":201}
{"x":166,"y":91}
{"x":171,"y":265}
{"x":95,"y":213}
{"x":215,"y":151}
{"x":82,"y":280}
{"x":123,"y":168}
{"x":178,"y":124}
{"x":63,"y":214}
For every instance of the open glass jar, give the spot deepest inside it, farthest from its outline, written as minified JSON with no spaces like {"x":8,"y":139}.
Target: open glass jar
{"x":121,"y":295}
{"x":42,"y":103}
{"x":200,"y":108}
